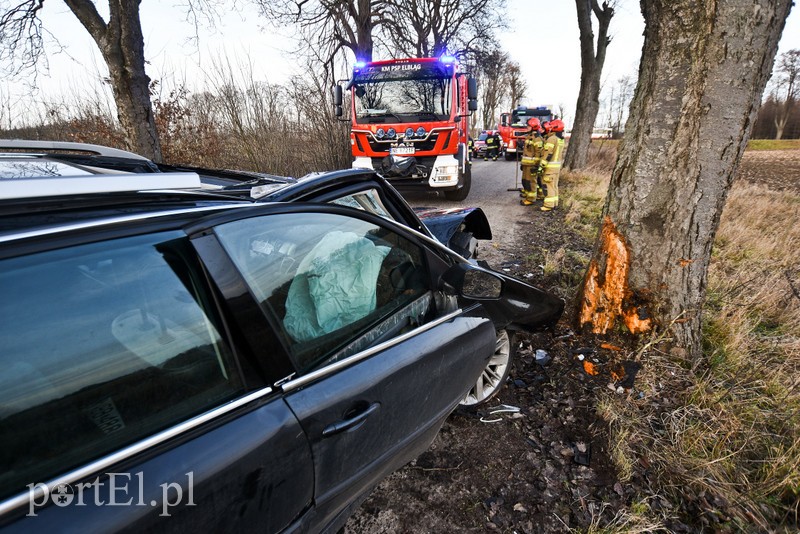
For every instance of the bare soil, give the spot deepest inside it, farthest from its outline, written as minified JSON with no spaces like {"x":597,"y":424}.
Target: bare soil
{"x":547,"y":467}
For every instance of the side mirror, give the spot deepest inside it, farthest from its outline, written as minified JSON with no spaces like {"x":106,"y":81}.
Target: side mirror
{"x":481,"y":285}
{"x":472,"y":105}
{"x":338,"y":98}
{"x":472,"y":89}
{"x":339,"y":111}
{"x":473,"y":283}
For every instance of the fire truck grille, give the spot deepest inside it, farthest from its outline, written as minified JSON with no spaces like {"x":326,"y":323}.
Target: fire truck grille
{"x":419,"y":145}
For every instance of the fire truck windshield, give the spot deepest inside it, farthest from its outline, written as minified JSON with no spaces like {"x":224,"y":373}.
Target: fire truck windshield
{"x":403,"y":100}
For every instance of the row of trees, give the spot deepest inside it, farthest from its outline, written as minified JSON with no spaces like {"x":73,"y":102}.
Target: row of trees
{"x":667,"y":190}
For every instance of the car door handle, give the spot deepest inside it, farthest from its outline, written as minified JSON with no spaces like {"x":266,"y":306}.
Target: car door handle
{"x":352,"y":422}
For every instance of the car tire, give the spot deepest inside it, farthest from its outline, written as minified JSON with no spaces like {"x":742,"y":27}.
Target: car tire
{"x":460,"y":194}
{"x":495,"y":374}
{"x":510,"y":157}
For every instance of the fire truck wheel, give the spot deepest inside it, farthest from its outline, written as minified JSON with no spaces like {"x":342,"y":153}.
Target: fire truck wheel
{"x":466,"y":183}
{"x":509,"y":157}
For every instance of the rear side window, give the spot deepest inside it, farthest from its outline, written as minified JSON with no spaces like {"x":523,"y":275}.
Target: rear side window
{"x":102,"y":346}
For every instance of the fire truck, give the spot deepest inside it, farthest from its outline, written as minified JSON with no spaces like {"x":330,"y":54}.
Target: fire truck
{"x":514,"y":125}
{"x":409,"y":122}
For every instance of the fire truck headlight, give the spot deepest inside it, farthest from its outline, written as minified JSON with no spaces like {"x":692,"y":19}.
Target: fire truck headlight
{"x":391,"y":133}
{"x":447,"y":172}
{"x":421,"y":132}
{"x":409,"y":132}
{"x":380,"y":133}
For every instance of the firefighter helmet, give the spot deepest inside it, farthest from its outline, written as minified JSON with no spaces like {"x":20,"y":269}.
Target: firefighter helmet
{"x":533,"y":123}
{"x":554,"y":125}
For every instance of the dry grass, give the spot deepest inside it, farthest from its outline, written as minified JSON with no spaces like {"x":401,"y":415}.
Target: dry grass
{"x":773,"y":144}
{"x":722,"y":437}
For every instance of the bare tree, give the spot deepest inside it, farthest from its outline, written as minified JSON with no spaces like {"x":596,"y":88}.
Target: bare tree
{"x":619,"y":98}
{"x":592,"y":60}
{"x":328,"y":27}
{"x":121,"y":44}
{"x":423,"y":28}
{"x":516,"y":83}
{"x":491,"y":70}
{"x":787,"y":89}
{"x":701,"y":78}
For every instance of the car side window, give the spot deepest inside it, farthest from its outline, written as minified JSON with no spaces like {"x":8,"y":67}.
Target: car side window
{"x":369,"y":201}
{"x":104,"y":344}
{"x":333,"y":284}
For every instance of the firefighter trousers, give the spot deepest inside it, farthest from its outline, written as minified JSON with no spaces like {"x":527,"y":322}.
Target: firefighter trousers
{"x":550,"y":185}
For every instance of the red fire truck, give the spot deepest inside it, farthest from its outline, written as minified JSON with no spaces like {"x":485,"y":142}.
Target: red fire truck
{"x":515,"y":124}
{"x":410,"y":122}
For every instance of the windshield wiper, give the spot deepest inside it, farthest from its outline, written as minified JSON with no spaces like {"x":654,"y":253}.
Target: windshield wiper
{"x":383,"y":114}
{"x":426,"y":113}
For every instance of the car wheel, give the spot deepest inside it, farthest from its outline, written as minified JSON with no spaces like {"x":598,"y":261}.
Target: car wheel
{"x":496,"y":372}
{"x":463,"y":191}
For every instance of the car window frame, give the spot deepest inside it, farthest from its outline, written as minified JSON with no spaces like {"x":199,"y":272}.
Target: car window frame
{"x":244,"y":304}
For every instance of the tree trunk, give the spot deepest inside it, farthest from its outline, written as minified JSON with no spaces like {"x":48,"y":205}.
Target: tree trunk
{"x":364,"y":27}
{"x":122,"y":44}
{"x":591,"y":69}
{"x":703,"y":69}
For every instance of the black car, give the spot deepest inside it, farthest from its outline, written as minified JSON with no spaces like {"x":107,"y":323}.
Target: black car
{"x":183,"y":355}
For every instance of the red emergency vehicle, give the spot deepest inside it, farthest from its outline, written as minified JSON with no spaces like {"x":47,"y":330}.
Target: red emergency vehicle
{"x":514,"y":126}
{"x":410,"y":122}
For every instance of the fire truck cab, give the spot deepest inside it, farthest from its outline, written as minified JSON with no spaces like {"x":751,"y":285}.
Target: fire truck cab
{"x":410,"y":122}
{"x":514,"y":126}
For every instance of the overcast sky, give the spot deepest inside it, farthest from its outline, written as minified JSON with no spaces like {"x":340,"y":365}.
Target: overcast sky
{"x":536,"y":28}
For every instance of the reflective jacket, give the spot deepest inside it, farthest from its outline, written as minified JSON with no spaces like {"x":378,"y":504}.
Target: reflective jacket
{"x":532,"y":149}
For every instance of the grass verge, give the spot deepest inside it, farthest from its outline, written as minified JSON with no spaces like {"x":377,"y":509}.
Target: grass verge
{"x":720,"y":439}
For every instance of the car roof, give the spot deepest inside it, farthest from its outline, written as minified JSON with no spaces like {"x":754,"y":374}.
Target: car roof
{"x":52,"y":184}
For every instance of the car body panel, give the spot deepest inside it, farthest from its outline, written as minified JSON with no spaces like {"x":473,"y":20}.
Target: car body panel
{"x":410,"y":388}
{"x":254,"y":461}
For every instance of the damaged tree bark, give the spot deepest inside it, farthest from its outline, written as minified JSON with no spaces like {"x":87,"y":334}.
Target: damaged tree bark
{"x":703,"y":70}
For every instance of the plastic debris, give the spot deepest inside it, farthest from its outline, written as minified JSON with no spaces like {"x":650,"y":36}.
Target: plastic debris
{"x":542,"y":357}
{"x":503,"y":408}
{"x":583,"y":453}
{"x":609,"y":346}
{"x":590,"y":368}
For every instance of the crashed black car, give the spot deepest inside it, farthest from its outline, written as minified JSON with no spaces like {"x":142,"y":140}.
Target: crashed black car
{"x":186,"y":351}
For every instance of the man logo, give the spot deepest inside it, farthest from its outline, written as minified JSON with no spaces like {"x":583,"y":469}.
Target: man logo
{"x":62,"y":495}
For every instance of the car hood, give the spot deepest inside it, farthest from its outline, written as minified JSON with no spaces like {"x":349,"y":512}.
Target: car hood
{"x":444,"y":223}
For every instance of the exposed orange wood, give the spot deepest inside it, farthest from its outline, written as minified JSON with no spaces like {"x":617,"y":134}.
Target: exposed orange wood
{"x":607,"y":296}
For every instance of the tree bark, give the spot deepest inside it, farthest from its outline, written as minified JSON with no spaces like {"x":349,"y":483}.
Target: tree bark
{"x":121,"y":43}
{"x":592,"y":62}
{"x":703,"y":70}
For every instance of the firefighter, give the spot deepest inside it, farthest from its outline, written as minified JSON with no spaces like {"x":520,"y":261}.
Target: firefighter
{"x":498,"y":143}
{"x":531,"y":157}
{"x":550,"y":164}
{"x":491,"y":147}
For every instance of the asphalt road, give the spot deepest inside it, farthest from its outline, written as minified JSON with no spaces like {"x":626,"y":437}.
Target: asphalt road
{"x":491,"y":181}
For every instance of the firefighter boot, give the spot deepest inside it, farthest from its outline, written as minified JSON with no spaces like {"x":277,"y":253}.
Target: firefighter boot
{"x":527,"y":186}
{"x":530,"y":199}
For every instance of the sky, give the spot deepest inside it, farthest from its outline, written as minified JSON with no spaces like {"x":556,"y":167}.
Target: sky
{"x":535,"y":28}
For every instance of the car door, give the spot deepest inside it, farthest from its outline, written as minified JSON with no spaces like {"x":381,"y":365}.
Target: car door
{"x":380,"y":355}
{"x":125,"y":405}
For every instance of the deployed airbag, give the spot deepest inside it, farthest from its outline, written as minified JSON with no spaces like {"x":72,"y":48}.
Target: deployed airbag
{"x":335,"y":285}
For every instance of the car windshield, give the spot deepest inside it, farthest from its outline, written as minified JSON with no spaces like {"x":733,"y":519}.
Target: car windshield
{"x":415,"y":100}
